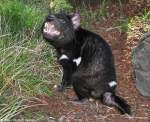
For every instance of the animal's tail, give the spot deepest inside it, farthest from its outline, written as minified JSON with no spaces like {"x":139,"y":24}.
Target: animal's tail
{"x":111,"y":99}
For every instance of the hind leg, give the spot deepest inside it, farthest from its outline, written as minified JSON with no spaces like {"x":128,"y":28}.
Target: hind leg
{"x":81,"y":91}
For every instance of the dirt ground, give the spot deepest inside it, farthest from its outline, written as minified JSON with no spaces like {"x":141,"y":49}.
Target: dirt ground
{"x":59,"y":105}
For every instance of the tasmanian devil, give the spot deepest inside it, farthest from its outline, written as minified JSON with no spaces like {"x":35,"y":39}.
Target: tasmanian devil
{"x":86,"y":59}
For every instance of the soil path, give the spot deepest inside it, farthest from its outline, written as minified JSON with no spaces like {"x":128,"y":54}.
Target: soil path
{"x":60,"y":107}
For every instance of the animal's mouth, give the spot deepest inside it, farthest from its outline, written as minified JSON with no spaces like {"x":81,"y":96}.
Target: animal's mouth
{"x":50,"y":30}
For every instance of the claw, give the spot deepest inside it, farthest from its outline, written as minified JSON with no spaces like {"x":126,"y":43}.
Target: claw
{"x":59,"y":88}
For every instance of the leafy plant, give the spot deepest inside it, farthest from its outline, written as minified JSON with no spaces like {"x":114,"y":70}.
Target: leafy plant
{"x":146,"y":15}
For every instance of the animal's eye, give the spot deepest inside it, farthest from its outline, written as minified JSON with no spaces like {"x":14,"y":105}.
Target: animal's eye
{"x":63,"y":21}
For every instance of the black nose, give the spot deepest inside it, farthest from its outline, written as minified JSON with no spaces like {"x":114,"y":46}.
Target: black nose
{"x":50,"y":18}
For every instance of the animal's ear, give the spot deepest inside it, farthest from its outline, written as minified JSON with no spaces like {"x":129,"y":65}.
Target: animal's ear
{"x":75,"y":20}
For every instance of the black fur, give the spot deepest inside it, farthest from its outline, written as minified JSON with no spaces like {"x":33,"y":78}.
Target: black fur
{"x":96,"y":70}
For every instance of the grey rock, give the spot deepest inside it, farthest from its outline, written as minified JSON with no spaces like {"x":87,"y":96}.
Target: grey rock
{"x":141,"y":65}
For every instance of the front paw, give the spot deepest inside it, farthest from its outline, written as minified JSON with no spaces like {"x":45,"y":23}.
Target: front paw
{"x":61,"y":87}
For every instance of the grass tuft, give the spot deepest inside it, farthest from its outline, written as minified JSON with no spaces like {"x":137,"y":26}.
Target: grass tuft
{"x":16,"y":16}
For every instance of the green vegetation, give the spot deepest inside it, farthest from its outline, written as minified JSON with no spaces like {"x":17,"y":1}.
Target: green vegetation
{"x":60,"y":5}
{"x":26,"y":63}
{"x":134,"y":23}
{"x":139,"y":25}
{"x":18,"y":16}
{"x":122,"y":25}
{"x":25,"y":67}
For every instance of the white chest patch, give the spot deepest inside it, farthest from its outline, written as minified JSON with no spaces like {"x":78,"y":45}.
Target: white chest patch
{"x":77,"y":61}
{"x":112,"y":83}
{"x":62,"y":57}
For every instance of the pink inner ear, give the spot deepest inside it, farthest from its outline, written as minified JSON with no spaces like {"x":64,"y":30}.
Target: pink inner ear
{"x":76,"y":21}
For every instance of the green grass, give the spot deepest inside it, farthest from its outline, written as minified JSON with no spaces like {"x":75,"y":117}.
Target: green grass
{"x":146,"y":15}
{"x":25,"y":71}
{"x":26,"y":61}
{"x":21,"y":62}
{"x":127,"y":25}
{"x":10,"y":109}
{"x":60,"y":5}
{"x":122,"y":25}
{"x":16,"y":16}
{"x":141,"y":21}
{"x":89,"y":15}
